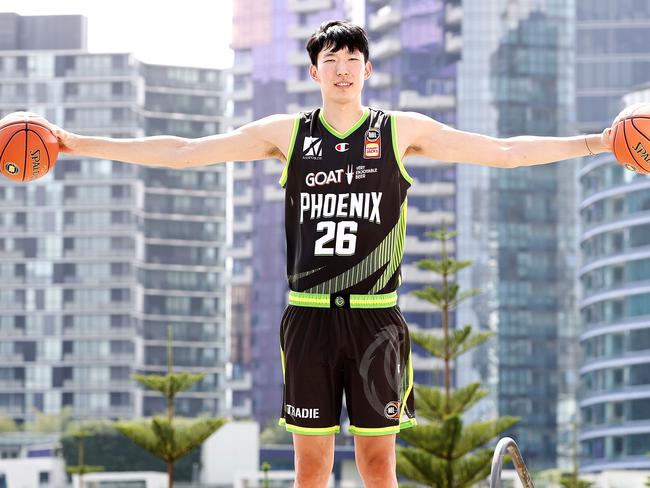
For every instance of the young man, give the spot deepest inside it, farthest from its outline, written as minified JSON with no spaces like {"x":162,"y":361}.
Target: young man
{"x":345,"y":213}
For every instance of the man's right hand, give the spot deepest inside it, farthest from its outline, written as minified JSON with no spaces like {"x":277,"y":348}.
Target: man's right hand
{"x":67,"y":140}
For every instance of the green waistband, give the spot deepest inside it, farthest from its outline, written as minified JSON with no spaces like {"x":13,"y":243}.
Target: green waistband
{"x":324,"y":300}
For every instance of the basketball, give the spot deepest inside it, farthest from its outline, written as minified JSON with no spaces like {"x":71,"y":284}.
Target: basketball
{"x":28,"y":148}
{"x":631,"y":138}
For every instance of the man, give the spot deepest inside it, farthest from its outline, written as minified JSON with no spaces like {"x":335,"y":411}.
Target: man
{"x":345,"y":215}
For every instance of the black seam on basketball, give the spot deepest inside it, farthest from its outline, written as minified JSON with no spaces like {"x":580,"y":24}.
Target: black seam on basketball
{"x":627,"y":145}
{"x":7,"y":145}
{"x":44,"y":147}
{"x":629,"y":117}
{"x":642,"y":135}
{"x":25,"y":161}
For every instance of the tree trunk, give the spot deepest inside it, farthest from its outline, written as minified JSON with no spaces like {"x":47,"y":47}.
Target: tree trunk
{"x":170,"y":474}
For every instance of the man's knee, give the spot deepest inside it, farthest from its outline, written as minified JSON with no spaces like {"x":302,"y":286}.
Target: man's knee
{"x":314,"y":459}
{"x":376,"y":465}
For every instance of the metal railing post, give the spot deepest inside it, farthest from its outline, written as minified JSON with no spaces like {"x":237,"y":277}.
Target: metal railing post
{"x":510,"y":446}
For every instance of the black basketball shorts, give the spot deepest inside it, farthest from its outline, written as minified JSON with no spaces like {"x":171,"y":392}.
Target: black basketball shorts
{"x":327,"y":347}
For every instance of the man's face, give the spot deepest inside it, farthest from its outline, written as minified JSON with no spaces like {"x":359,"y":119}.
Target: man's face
{"x":341,"y":74}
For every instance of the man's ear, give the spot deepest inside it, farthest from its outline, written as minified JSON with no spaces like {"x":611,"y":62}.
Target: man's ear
{"x":367,"y":71}
{"x":313,"y":72}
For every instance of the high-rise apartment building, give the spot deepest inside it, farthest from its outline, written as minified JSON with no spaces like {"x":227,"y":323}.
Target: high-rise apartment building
{"x":99,"y":257}
{"x":270,"y":76}
{"x":415,"y":48}
{"x":611,"y":61}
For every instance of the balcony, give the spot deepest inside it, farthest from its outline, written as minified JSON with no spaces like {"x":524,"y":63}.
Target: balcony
{"x":242,"y":68}
{"x":412,"y":274}
{"x":244,"y":410}
{"x":241,"y":252}
{"x":244,"y":198}
{"x":453,"y":43}
{"x":299,"y":58}
{"x":387,"y":47}
{"x":243,"y":119}
{"x":243,"y":278}
{"x":242,"y":171}
{"x":380,"y":80}
{"x":384,"y":20}
{"x":302,"y":86}
{"x":411,"y":303}
{"x":413,"y":245}
{"x":453,"y":15}
{"x":242,"y":94}
{"x":243,"y":225}
{"x":409,"y":99}
{"x":432,"y":188}
{"x":301,"y":32}
{"x":309,"y":6}
{"x":240,"y":384}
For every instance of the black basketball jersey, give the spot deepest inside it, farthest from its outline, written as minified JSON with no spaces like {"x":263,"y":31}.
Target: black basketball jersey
{"x":345,"y":206}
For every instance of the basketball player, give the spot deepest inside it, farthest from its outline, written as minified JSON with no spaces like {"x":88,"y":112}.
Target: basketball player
{"x":345,"y":213}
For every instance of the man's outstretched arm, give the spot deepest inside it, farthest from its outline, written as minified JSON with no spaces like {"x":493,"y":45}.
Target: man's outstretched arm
{"x":264,"y":138}
{"x":419,"y":135}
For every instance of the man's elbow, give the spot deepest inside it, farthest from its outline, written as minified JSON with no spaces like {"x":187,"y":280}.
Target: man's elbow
{"x":507,"y":155}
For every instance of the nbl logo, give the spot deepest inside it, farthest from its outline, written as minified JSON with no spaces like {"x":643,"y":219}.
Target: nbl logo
{"x":391,"y":410}
{"x":312,"y":148}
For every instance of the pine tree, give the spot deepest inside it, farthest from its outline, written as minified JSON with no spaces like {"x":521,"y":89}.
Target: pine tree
{"x":167,"y":437}
{"x":82,"y":468}
{"x":444,"y":452}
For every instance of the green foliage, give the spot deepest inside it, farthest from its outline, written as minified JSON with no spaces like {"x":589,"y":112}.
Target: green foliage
{"x":570,"y":480}
{"x":275,"y":434}
{"x":169,"y":440}
{"x":106,"y":446}
{"x":170,"y":384}
{"x":444,"y":452}
{"x":50,"y":423}
{"x":7,"y":425}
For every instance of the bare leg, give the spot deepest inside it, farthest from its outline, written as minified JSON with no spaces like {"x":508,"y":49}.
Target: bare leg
{"x":376,"y":460}
{"x":314,"y":459}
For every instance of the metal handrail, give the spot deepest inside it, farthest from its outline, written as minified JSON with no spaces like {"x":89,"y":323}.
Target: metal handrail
{"x":509,"y":445}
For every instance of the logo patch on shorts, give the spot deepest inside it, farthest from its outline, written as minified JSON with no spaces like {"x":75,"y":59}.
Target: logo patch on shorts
{"x":391,"y":410}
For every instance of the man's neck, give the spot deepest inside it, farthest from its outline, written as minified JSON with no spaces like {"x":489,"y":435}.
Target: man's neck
{"x":342,"y":116}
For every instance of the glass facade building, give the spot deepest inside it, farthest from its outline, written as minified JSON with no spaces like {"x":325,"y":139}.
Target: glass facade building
{"x":99,"y":257}
{"x":518,"y":225}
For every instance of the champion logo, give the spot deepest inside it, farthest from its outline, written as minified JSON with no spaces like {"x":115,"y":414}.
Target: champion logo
{"x":342,"y":146}
{"x":311,"y":148}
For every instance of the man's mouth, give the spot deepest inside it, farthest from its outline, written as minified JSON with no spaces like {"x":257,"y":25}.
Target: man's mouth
{"x":343,"y":84}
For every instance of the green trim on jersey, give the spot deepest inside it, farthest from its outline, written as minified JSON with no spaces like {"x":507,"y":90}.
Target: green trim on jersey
{"x":397,"y":250}
{"x":402,"y":169}
{"x":296,"y":277}
{"x":343,"y":135}
{"x":322,"y":300}
{"x":294,"y":133}
{"x":389,"y":251}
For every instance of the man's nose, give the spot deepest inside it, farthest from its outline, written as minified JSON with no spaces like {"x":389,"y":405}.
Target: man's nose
{"x":342,"y":68}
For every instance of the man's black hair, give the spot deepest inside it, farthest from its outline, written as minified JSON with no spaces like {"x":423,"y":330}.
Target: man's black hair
{"x":337,"y":34}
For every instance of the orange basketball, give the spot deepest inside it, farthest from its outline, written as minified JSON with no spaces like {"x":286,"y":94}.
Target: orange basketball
{"x":631,"y":138}
{"x":28,"y":148}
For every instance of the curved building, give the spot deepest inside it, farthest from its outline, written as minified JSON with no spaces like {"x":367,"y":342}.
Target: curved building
{"x":615,"y":274}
